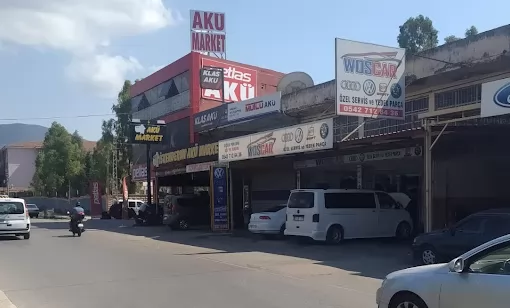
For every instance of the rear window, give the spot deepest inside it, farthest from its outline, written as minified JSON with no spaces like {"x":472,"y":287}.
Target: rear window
{"x":7,"y":208}
{"x":301,"y":200}
{"x":31,"y":206}
{"x":349,"y":200}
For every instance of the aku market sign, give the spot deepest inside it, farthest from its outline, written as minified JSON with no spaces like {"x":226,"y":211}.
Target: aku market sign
{"x":146,"y":133}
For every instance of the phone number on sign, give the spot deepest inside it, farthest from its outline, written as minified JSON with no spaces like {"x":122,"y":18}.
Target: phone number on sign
{"x":371,"y":111}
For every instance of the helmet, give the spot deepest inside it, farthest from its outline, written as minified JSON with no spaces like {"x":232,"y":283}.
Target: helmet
{"x":78,"y":203}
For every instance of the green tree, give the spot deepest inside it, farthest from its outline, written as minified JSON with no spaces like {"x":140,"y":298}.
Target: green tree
{"x":472,"y":31}
{"x":451,"y":38}
{"x":59,"y":163}
{"x":417,"y":34}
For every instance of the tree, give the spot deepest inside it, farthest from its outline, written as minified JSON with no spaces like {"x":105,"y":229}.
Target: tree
{"x":451,"y":38}
{"x":472,"y":31}
{"x":417,"y":34}
{"x":59,"y":162}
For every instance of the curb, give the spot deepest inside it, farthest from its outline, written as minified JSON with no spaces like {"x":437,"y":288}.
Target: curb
{"x":5,"y":302}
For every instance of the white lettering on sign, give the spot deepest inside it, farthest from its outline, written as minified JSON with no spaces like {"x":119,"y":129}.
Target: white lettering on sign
{"x":140,"y":172}
{"x":206,"y":118}
{"x":240,"y":83}
{"x":95,"y":193}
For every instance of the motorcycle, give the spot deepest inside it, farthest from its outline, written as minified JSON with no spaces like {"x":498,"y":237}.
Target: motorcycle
{"x":77,"y":227}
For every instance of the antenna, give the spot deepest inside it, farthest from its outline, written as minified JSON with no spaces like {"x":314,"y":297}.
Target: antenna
{"x":293,"y":82}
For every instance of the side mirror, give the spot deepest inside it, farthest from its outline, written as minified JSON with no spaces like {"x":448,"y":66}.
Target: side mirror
{"x":456,"y":265}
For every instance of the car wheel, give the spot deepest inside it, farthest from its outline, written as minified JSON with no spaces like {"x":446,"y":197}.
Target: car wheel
{"x":403,"y":231}
{"x":282,"y":232}
{"x":26,"y":236}
{"x":428,"y":255}
{"x":407,"y":300}
{"x":183,"y":224}
{"x":335,"y":235}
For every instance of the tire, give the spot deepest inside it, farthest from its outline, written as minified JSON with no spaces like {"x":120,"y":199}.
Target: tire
{"x":428,"y":255}
{"x":403,"y":231}
{"x":26,"y":236}
{"x":78,"y":232}
{"x":407,"y":300}
{"x":282,"y":232}
{"x":335,"y":235}
{"x":183,"y":224}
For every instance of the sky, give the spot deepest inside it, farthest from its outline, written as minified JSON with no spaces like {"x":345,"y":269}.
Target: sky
{"x":65,"y":60}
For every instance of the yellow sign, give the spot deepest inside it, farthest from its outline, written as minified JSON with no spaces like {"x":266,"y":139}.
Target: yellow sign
{"x":146,"y":133}
{"x":204,"y":150}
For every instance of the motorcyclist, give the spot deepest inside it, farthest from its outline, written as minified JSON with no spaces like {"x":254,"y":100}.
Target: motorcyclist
{"x":77,"y":214}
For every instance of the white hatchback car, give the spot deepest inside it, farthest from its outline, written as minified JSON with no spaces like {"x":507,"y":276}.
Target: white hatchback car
{"x":14,"y":218}
{"x":270,"y":222}
{"x":479,"y":278}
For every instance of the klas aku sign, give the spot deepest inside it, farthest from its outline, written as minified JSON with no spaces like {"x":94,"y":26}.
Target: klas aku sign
{"x":145,"y":133}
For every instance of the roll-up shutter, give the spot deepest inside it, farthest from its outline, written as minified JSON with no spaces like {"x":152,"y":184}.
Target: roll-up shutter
{"x":270,"y":188}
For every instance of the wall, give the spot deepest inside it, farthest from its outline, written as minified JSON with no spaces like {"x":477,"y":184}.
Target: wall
{"x":61,"y":205}
{"x":21,"y":166}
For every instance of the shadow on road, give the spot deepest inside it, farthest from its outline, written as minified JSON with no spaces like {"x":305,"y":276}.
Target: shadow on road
{"x":369,"y":258}
{"x":9,"y":238}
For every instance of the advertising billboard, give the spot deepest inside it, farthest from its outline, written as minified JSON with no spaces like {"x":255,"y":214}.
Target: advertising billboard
{"x":219,"y":199}
{"x":211,"y":78}
{"x":300,"y":138}
{"x":370,"y":80}
{"x":96,"y":199}
{"x":146,"y":133}
{"x":210,"y":119}
{"x":495,"y":98}
{"x":208,"y":32}
{"x":194,"y":154}
{"x":239,"y":84}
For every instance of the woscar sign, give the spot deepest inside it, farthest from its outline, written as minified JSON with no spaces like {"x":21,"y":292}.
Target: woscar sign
{"x":207,"y":32}
{"x":239,"y":83}
{"x":146,"y":133}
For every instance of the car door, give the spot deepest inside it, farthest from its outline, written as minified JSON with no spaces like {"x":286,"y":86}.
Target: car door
{"x":484,"y":283}
{"x":388,"y":218}
{"x":466,"y":235}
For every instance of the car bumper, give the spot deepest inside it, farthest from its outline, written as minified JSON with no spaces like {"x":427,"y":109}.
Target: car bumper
{"x":315,"y":235}
{"x":14,"y":230}
{"x":262,"y":228}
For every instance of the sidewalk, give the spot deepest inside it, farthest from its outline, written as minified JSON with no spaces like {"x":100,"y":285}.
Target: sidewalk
{"x":5,"y":302}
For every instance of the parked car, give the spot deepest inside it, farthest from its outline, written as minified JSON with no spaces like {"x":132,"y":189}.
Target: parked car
{"x":333,"y":215}
{"x":14,"y":218}
{"x":270,"y":221}
{"x":33,"y":210}
{"x":478,"y":278}
{"x":115,"y":210}
{"x":149,"y":215}
{"x":133,"y":207}
{"x":476,"y":229}
{"x":186,"y":211}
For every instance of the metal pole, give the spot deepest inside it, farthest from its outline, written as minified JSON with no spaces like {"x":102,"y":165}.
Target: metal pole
{"x":149,"y":193}
{"x":231,"y":198}
{"x":222,"y":86}
{"x":428,"y":176}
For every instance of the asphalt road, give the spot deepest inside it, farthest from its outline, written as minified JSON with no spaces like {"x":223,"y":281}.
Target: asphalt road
{"x":108,"y":268}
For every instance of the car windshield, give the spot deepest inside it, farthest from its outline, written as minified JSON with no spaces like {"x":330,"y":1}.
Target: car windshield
{"x":7,"y":208}
{"x":276,"y":208}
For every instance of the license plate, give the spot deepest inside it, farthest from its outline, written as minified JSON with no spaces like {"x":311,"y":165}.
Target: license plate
{"x":299,"y":217}
{"x":253,"y":227}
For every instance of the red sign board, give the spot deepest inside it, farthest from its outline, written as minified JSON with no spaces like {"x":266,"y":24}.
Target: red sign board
{"x":240,"y":83}
{"x":96,"y":199}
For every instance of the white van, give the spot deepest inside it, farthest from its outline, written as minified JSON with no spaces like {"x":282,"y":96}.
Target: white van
{"x":135,"y":205}
{"x":14,"y":218}
{"x":336,"y":214}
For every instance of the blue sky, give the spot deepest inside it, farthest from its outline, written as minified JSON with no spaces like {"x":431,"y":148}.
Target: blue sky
{"x":56,"y":66}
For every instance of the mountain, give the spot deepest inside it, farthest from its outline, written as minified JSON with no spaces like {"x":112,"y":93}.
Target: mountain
{"x":17,"y":132}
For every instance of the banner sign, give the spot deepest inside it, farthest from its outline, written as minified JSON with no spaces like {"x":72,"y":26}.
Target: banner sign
{"x":370,"y":80}
{"x":210,"y":119}
{"x":96,"y":199}
{"x":207,"y":152}
{"x":382,"y":155}
{"x":219,"y":199}
{"x":495,"y":98}
{"x":211,"y":78}
{"x":254,"y":107}
{"x":199,"y":167}
{"x":139,"y":173}
{"x":146,"y":133}
{"x":294,"y":139}
{"x":208,"y":32}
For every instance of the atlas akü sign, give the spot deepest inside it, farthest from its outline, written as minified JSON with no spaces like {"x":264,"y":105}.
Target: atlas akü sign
{"x":239,"y":83}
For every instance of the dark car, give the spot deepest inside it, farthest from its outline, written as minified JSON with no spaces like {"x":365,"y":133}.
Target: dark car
{"x":33,"y":210}
{"x":186,"y":211}
{"x":149,"y":215}
{"x":472,"y":231}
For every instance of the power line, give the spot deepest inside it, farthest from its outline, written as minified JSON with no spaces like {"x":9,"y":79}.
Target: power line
{"x":64,"y":117}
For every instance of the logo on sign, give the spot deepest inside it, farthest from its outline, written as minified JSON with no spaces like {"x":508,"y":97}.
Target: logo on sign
{"x":206,"y":118}
{"x":299,"y":135}
{"x":262,"y":146}
{"x":287,"y":137}
{"x":369,"y":87}
{"x":95,"y":192}
{"x":219,"y":173}
{"x":502,"y":96}
{"x":324,"y":130}
{"x":210,"y":78}
{"x":377,"y":64}
{"x":240,"y":83}
{"x":396,"y":90}
{"x":350,"y":85}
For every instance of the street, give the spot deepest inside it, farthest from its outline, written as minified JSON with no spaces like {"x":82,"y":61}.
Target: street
{"x":113,"y":265}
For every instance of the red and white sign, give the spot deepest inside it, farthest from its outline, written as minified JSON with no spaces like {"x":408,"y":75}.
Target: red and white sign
{"x":96,"y":200}
{"x":254,"y":107}
{"x":207,"y":32}
{"x":240,"y":83}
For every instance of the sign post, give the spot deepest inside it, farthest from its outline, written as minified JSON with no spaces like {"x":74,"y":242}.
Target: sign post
{"x":148,"y":133}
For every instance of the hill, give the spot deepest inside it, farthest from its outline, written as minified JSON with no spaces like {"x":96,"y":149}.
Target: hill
{"x":17,"y":132}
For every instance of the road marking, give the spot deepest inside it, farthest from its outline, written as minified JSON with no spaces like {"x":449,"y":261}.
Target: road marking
{"x":5,"y":302}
